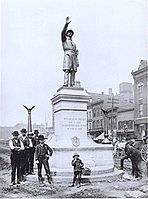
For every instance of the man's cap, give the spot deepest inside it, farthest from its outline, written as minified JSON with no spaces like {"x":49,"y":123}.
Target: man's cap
{"x":41,"y":137}
{"x":15,"y":133}
{"x":70,"y":31}
{"x":23,"y":131}
{"x":75,"y":154}
{"x":36,"y":132}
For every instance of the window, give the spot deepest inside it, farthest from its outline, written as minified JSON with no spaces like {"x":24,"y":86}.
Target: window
{"x":89,"y":127}
{"x":94,"y":112}
{"x":140,"y":110}
{"x":140,"y":89}
{"x":101,"y":123}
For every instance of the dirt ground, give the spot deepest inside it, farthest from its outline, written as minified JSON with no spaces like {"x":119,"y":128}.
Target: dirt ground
{"x":127,"y":187}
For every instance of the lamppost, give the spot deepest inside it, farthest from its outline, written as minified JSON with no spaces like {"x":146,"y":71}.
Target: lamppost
{"x":29,"y":118}
{"x":106,"y":140}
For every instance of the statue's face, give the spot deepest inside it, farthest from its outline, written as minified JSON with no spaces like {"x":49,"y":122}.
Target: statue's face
{"x":69,"y":34}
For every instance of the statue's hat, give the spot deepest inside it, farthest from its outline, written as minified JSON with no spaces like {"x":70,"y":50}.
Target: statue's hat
{"x":70,"y":31}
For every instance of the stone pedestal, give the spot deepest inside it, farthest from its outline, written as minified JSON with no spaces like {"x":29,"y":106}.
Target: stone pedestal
{"x":70,"y":123}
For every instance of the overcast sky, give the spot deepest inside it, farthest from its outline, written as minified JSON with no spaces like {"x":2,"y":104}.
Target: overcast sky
{"x":110,"y":36}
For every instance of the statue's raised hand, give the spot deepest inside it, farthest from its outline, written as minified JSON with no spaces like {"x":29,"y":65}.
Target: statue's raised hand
{"x":68,"y":20}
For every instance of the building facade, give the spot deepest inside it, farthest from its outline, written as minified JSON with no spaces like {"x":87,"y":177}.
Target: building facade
{"x":125,"y":122}
{"x":97,"y":121}
{"x":119,"y":108}
{"x":141,"y":99}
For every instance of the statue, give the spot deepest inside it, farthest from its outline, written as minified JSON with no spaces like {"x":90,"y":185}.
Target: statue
{"x":70,"y":62}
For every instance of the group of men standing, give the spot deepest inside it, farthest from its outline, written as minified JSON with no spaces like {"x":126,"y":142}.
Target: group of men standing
{"x":23,"y":148}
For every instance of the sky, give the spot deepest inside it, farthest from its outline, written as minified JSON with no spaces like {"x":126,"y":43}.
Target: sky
{"x":110,"y":36}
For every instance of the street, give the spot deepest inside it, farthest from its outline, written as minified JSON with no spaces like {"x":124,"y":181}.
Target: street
{"x":121,"y":188}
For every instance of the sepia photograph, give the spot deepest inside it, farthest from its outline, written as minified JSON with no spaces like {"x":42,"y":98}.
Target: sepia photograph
{"x":73,"y":99}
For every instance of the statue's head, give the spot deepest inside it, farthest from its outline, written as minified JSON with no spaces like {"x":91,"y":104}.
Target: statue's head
{"x":69,"y":33}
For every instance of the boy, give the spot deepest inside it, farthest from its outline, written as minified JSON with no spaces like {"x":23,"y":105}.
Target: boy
{"x":42,"y":154}
{"x":78,"y":166}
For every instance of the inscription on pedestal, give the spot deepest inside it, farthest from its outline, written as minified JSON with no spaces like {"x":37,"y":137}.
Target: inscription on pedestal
{"x":76,"y":124}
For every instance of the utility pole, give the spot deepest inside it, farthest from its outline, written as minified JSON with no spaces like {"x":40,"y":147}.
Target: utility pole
{"x":29,"y":118}
{"x":112,"y":108}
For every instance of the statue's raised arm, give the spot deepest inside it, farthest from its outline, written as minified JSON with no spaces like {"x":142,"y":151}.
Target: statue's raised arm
{"x":70,"y":62}
{"x":63,"y":34}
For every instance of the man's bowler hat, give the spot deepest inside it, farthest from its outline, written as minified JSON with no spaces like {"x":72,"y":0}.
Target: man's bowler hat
{"x":15,"y":133}
{"x":36,"y":132}
{"x":75,"y":155}
{"x":41,"y":137}
{"x":23,"y":131}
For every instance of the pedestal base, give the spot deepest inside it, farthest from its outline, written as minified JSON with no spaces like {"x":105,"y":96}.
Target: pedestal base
{"x":70,"y":122}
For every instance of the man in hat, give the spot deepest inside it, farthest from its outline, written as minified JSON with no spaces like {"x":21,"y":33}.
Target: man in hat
{"x":23,"y":138}
{"x":16,"y":146}
{"x":70,"y":62}
{"x":78,"y":166}
{"x":31,"y":152}
{"x":36,"y":138}
{"x":42,"y":154}
{"x":130,"y":142}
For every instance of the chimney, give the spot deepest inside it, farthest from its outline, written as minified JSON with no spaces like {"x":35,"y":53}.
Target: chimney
{"x":110,"y":91}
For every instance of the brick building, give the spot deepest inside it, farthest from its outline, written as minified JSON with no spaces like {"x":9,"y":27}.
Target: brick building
{"x":141,"y":99}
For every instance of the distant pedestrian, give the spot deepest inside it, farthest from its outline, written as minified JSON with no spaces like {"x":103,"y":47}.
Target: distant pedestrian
{"x":78,"y":167}
{"x":42,"y":154}
{"x":16,"y":146}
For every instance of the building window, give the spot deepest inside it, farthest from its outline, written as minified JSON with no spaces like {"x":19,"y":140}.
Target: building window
{"x":94,"y":113}
{"x":140,"y":89}
{"x":93,"y":124}
{"x":101,"y":122}
{"x":98,"y":112}
{"x":89,"y":127}
{"x":140,"y":110}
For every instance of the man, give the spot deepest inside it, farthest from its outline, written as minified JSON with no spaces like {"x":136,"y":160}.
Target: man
{"x":31,"y":152}
{"x":16,"y":146}
{"x":70,"y":63}
{"x":135,"y":156}
{"x":131,"y":142}
{"x":42,"y":154}
{"x":78,"y":166}
{"x":36,"y":138}
{"x":23,"y":138}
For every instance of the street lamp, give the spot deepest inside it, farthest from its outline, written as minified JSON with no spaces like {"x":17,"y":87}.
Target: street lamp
{"x":29,"y":118}
{"x":106,"y":140}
